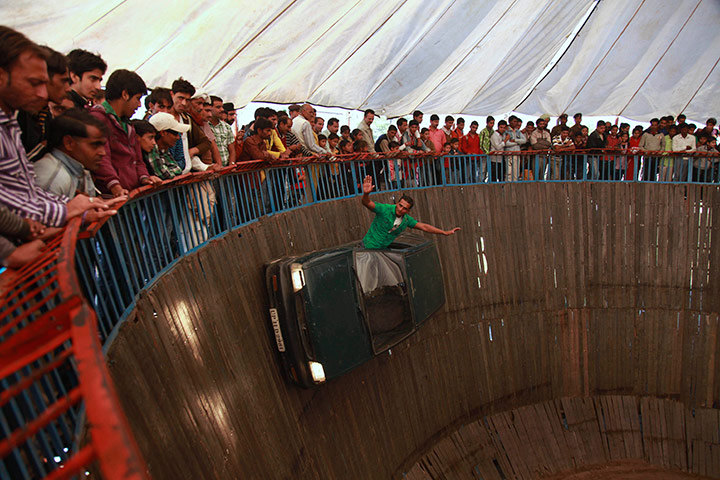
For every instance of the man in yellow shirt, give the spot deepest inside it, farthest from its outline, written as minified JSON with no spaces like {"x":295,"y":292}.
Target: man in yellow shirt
{"x":274,"y":143}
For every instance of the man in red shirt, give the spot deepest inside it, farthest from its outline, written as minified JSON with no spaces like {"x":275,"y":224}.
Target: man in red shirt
{"x":470,"y":145}
{"x":122,"y":168}
{"x":458,"y":132}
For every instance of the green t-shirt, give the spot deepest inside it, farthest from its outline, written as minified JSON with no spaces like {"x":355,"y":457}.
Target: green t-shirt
{"x":383,"y":230}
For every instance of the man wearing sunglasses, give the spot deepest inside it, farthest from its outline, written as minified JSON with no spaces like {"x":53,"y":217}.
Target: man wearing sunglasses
{"x":168,"y":130}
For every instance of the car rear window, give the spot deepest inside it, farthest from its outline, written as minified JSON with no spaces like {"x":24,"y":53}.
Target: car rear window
{"x":385,"y":297}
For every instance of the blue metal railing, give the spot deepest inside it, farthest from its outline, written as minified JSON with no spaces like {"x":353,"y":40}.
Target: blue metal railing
{"x":154,"y":230}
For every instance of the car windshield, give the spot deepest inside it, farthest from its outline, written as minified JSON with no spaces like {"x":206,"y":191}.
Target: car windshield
{"x":385,"y":296}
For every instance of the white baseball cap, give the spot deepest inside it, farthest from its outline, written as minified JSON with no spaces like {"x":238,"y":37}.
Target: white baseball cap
{"x":165,"y":121}
{"x":205,"y":97}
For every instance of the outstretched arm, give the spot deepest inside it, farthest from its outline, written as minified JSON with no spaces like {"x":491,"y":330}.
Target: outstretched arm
{"x":430,"y":229}
{"x":367,"y":188}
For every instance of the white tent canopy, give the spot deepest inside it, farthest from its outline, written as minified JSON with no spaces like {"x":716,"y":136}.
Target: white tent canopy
{"x":635,"y":58}
{"x":639,"y":60}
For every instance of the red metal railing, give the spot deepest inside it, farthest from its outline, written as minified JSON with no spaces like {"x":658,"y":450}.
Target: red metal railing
{"x":56,"y":328}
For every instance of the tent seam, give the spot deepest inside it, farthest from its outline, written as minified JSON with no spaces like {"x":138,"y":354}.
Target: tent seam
{"x":577,"y":34}
{"x":660,"y":59}
{"x":265,"y":27}
{"x":377,"y":87}
{"x":604,"y":57}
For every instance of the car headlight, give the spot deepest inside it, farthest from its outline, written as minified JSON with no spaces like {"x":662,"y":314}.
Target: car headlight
{"x":317,"y":372}
{"x":297,"y":276}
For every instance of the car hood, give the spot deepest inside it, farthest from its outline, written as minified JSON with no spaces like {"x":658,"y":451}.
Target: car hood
{"x":335,"y":322}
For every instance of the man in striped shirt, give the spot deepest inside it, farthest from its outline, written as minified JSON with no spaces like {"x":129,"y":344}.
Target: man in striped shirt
{"x":23,"y":85}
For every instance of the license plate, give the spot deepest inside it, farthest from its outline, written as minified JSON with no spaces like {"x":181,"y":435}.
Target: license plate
{"x":276,"y":329}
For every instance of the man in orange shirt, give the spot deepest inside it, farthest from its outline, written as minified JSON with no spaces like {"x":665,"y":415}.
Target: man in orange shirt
{"x":470,"y":145}
{"x":459,"y":127}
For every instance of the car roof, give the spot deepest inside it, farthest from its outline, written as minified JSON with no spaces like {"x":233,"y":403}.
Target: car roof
{"x":408,"y":241}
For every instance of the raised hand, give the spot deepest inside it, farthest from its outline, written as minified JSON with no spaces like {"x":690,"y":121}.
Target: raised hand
{"x":367,"y":184}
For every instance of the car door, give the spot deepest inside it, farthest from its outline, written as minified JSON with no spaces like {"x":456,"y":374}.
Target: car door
{"x":427,"y":291}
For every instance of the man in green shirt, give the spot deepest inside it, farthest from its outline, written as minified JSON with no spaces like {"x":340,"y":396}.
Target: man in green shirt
{"x":391,"y":220}
{"x":168,"y":131}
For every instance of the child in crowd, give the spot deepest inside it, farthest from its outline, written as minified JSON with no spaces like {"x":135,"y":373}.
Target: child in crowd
{"x":622,"y":160}
{"x":394,"y":165}
{"x":451,"y":165}
{"x":455,"y":146}
{"x":146,"y":136}
{"x":345,"y":147}
{"x":608,"y":165}
{"x":715,"y":161}
{"x":633,"y":147}
{"x":666,"y":165}
{"x":345,"y":133}
{"x":425,"y":138}
{"x":322,"y":141}
{"x":701,"y":164}
{"x":333,"y":141}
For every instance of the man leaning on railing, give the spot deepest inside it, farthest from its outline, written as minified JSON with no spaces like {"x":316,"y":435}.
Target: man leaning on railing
{"x":651,"y":141}
{"x":683,"y":142}
{"x":563,"y":145}
{"x":540,"y":141}
{"x":23,"y":85}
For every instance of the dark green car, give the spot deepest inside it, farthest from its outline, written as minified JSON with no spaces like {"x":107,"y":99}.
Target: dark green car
{"x":334,"y":309}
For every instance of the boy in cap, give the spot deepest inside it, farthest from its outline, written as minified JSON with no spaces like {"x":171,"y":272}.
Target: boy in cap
{"x":160,"y":159}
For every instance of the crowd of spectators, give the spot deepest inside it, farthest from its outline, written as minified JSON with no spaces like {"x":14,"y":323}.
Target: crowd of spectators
{"x":68,"y":148}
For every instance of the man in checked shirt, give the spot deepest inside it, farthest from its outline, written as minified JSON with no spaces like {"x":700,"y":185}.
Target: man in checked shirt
{"x":23,"y":85}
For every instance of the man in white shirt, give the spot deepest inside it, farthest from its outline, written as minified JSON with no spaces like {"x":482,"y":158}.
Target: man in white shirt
{"x":683,"y":142}
{"x":497,"y":144}
{"x":364,"y":127}
{"x":515,"y":139}
{"x":302,"y":128}
{"x":333,"y":125}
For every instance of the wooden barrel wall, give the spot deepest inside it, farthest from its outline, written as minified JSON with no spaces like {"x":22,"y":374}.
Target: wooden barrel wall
{"x":554,"y":292}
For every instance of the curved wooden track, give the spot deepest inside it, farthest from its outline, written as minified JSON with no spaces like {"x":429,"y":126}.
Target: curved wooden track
{"x":581,"y":328}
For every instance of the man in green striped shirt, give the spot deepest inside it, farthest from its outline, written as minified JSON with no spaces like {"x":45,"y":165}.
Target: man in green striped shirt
{"x":485,"y":145}
{"x":160,"y":159}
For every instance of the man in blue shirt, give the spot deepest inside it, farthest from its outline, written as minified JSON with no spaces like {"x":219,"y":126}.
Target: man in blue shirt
{"x":391,"y":220}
